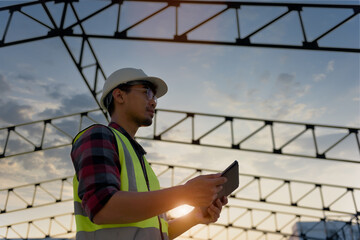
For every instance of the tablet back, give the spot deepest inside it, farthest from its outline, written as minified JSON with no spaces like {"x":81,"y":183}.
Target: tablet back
{"x":232,"y":175}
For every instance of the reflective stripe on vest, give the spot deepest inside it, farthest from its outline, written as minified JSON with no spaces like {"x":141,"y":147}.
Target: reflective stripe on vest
{"x":132,"y":179}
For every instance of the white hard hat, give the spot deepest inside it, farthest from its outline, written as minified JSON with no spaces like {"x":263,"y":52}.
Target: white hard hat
{"x":126,"y":75}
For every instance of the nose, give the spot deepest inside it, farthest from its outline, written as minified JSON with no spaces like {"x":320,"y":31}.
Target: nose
{"x":153,"y":102}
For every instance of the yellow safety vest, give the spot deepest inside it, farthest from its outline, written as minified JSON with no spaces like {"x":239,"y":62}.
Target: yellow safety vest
{"x":132,"y":179}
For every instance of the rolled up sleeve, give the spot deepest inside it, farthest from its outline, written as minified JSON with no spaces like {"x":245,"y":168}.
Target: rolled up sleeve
{"x":96,"y":162}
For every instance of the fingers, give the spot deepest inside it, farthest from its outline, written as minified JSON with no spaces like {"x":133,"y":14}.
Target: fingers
{"x":219,"y":180}
{"x":204,"y":189}
{"x":214,"y":210}
{"x":224,"y":200}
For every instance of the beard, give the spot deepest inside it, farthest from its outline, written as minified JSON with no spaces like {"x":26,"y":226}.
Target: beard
{"x":146,"y":122}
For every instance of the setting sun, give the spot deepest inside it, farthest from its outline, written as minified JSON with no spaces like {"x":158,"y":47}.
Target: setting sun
{"x":180,"y":211}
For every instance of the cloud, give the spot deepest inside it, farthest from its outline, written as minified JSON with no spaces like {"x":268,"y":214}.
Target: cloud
{"x":38,"y":166}
{"x":288,"y":87}
{"x":330,"y":66}
{"x":27,"y":77}
{"x":276,"y":99}
{"x":68,"y":105}
{"x":322,"y":76}
{"x":55,"y":90}
{"x":14,"y":113}
{"x":319,"y":77}
{"x":286,"y":78}
{"x":4,"y":85}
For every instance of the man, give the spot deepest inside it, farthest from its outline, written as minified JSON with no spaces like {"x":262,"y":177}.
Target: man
{"x":116,"y":193}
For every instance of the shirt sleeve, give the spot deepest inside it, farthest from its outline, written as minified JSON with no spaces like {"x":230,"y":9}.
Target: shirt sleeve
{"x":96,"y":162}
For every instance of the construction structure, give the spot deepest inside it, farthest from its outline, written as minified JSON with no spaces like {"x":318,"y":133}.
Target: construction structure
{"x":262,"y":207}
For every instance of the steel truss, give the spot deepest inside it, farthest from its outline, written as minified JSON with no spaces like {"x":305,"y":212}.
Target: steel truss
{"x":268,"y":206}
{"x":246,"y":214}
{"x":121,"y":32}
{"x":189,"y":123}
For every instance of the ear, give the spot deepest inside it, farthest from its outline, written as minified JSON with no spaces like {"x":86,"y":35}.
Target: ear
{"x":118,"y":95}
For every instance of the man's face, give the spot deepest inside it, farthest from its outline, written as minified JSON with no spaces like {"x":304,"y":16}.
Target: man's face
{"x":140,"y":105}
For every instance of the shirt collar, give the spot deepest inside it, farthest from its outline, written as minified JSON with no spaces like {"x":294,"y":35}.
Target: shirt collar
{"x":133,"y":142}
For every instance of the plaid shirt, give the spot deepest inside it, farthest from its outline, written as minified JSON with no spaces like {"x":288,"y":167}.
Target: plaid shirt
{"x":97,"y":166}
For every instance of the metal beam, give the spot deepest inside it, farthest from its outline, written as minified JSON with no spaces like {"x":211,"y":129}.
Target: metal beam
{"x":242,"y":213}
{"x":277,"y":143}
{"x":305,"y":43}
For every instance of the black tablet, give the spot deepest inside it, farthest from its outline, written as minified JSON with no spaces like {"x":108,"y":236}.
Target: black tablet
{"x":232,"y":175}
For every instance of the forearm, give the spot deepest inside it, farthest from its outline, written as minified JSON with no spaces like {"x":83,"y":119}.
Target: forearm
{"x":126,"y":207}
{"x":180,"y":225}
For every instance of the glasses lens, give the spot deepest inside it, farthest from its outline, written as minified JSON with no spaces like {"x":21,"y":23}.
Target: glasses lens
{"x":150,"y":94}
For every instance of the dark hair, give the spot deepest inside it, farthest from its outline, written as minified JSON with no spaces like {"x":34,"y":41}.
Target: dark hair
{"x":110,"y":99}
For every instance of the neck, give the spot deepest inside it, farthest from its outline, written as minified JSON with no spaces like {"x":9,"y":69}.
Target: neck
{"x":130,"y":127}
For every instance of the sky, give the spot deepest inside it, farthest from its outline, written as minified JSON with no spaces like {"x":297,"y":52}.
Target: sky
{"x":38,"y":80}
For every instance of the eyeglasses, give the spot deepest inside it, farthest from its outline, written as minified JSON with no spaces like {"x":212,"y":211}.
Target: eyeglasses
{"x":149,"y":93}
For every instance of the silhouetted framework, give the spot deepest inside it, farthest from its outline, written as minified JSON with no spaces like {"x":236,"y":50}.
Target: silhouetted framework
{"x":71,"y":25}
{"x":122,"y":32}
{"x":278,"y":137}
{"x":256,"y":211}
{"x":261,"y":206}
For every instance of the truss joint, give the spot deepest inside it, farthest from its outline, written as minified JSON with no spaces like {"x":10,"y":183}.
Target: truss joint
{"x":180,"y":38}
{"x":269,"y":122}
{"x":37,"y":148}
{"x":173,"y":4}
{"x":157,"y":137}
{"x":197,"y":142}
{"x":121,"y":35}
{"x":233,"y":5}
{"x":322,"y":156}
{"x":14,"y":9}
{"x":311,"y":45}
{"x":243,"y":41}
{"x":65,"y":1}
{"x":278,"y":151}
{"x":353,"y":130}
{"x":235,"y":146}
{"x":356,"y":10}
{"x":118,"y":1}
{"x":310,"y":126}
{"x":295,"y":7}
{"x":60,"y":32}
